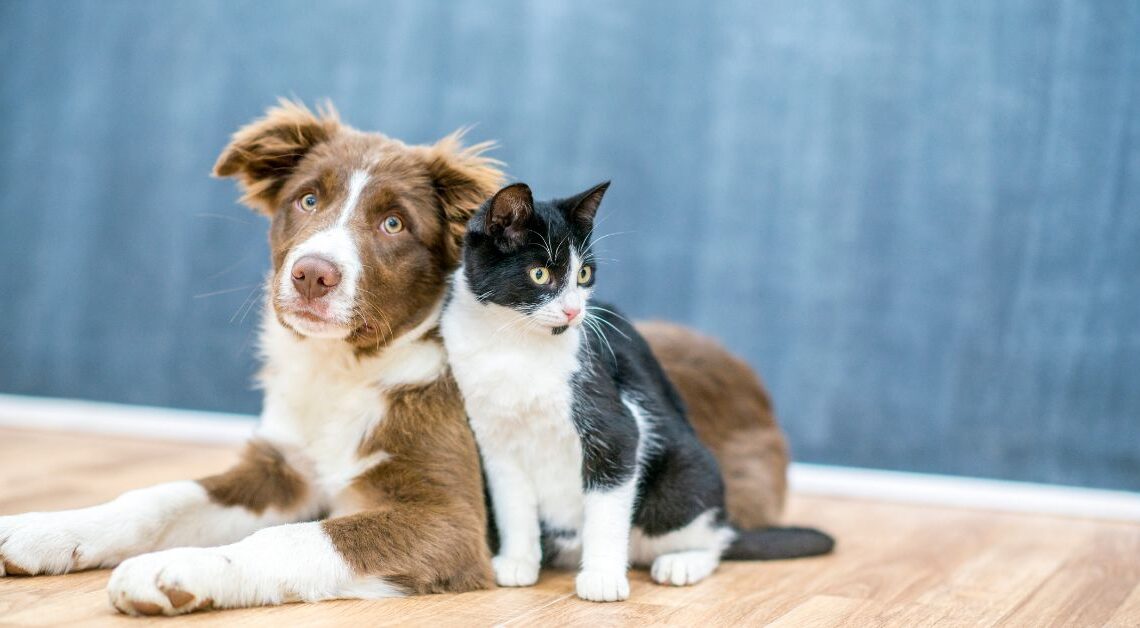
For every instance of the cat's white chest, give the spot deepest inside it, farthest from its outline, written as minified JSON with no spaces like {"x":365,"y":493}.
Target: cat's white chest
{"x":546,"y":448}
{"x":517,"y":391}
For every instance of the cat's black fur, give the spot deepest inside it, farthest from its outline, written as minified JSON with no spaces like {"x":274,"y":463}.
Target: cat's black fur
{"x":500,"y":246}
{"x":679,"y":478}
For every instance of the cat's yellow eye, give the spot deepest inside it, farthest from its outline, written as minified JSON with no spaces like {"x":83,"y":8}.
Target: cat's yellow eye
{"x":584,"y":274}
{"x":540,"y":275}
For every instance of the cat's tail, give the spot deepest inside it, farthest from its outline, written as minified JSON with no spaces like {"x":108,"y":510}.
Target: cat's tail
{"x":778,"y":543}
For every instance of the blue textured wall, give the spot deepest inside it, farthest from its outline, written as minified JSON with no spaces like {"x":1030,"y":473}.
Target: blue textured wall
{"x":919,"y":219}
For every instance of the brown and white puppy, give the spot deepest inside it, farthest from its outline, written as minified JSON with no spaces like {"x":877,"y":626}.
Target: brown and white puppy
{"x":363,"y":479}
{"x":361,"y":421}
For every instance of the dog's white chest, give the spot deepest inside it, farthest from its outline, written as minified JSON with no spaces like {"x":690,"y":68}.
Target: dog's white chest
{"x":322,"y":401}
{"x":324,"y":429}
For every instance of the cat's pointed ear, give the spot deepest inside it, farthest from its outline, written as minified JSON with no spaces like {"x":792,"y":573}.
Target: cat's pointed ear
{"x":506,"y":214}
{"x":582,"y":208}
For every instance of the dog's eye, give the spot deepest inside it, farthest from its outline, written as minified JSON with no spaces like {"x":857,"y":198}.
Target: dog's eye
{"x":584,"y":275}
{"x":540,"y":275}
{"x":393,"y":225}
{"x":307,"y":203}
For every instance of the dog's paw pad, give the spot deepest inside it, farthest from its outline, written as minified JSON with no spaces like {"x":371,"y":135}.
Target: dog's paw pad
{"x":174,"y":581}
{"x":41,"y":543}
{"x":146,"y":608}
{"x":8,"y":568}
{"x":178,"y":598}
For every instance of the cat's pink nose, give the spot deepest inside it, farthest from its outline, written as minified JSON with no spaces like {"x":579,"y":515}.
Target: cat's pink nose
{"x":571,"y":312}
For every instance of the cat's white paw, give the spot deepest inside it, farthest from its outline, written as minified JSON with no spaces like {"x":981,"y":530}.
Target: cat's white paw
{"x":683,"y":568}
{"x":47,"y":543}
{"x":602,"y":586}
{"x":515,"y":572}
{"x":171,"y":582}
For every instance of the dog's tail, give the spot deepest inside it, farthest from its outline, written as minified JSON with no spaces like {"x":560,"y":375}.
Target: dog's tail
{"x":778,"y":544}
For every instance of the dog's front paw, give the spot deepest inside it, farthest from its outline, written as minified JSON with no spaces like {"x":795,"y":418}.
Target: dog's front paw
{"x":45,"y":543}
{"x":168,"y":583}
{"x":515,"y":572}
{"x":602,"y":586}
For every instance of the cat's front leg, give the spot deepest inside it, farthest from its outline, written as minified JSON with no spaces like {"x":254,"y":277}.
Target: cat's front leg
{"x":605,"y":543}
{"x":516,"y":515}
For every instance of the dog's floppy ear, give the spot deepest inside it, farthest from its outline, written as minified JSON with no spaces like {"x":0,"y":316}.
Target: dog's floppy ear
{"x":263,"y":154}
{"x":463,"y":178}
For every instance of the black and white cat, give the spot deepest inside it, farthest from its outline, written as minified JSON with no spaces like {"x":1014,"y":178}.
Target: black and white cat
{"x":590,"y":460}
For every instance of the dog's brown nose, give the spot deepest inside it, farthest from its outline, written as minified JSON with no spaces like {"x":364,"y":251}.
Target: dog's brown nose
{"x":314,"y":276}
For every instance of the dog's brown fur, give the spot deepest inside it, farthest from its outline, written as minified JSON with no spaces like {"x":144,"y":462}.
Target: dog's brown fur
{"x":262,"y":479}
{"x":732,"y":414}
{"x":420,"y":498}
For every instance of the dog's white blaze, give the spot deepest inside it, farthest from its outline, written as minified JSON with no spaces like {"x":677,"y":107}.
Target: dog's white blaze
{"x":356,"y":185}
{"x":335,"y":244}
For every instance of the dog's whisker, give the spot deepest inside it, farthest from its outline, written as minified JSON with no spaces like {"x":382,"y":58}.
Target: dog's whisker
{"x":220,"y":292}
{"x":248,"y":299}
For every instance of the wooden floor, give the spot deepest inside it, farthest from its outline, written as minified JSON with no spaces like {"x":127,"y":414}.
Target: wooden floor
{"x":895,"y":565}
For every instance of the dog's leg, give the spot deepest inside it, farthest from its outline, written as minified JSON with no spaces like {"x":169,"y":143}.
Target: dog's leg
{"x":260,"y":491}
{"x":405,"y":549}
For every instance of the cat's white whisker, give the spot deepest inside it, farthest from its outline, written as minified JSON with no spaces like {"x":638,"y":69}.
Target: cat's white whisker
{"x":608,"y":311}
{"x":592,"y":321}
{"x":545,"y":244}
{"x":594,"y":241}
{"x":611,"y":325}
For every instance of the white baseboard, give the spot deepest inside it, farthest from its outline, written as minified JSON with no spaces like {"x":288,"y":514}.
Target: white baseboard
{"x":808,"y":479}
{"x":964,"y":492}
{"x":127,"y":420}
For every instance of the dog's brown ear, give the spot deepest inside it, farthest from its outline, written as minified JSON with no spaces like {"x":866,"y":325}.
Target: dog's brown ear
{"x":263,"y":153}
{"x":463,"y":177}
